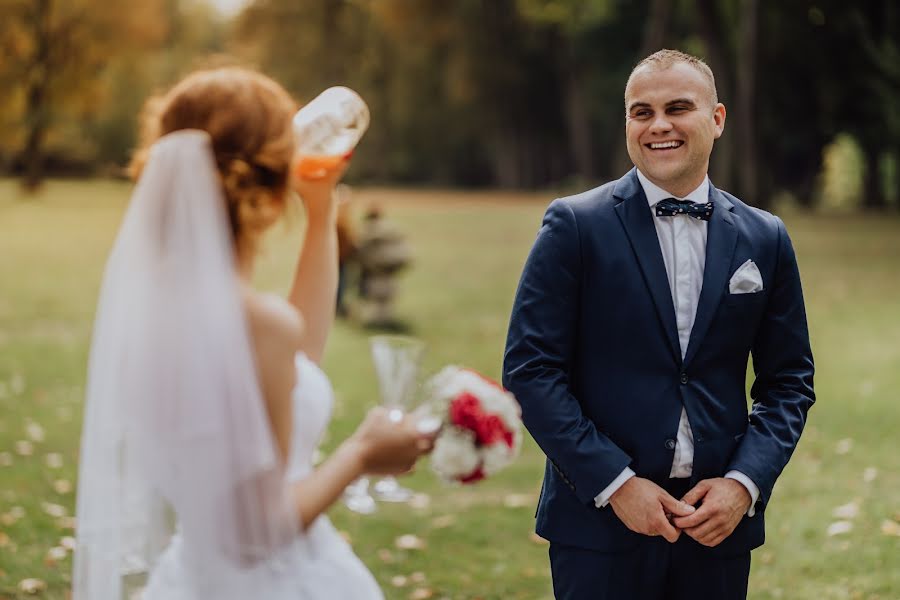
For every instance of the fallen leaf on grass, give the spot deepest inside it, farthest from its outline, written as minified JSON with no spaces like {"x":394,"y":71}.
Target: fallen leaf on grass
{"x":66,"y":523}
{"x":12,"y":515}
{"x":410,"y":542}
{"x":399,"y":581}
{"x":839,"y":528}
{"x":54,"y":555}
{"x":417,"y":577}
{"x":24,"y":448}
{"x":516,"y":500}
{"x":62,"y":486}
{"x":385,"y":555}
{"x":869,"y":474}
{"x":421,"y":594}
{"x":54,"y":460}
{"x":6,"y":459}
{"x":54,"y":510}
{"x":443,"y":521}
{"x":4,"y":539}
{"x":17,"y":384}
{"x":420,"y":501}
{"x":32,"y":586}
{"x":847,"y":511}
{"x":889,"y":527}
{"x":68,"y":542}
{"x":34,"y":431}
{"x":844,"y":446}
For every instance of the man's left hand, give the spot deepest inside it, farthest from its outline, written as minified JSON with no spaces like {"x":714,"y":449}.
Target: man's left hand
{"x":725,"y":502}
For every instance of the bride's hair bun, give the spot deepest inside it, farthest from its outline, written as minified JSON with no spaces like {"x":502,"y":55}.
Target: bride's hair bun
{"x":252,"y":208}
{"x":248,"y":117}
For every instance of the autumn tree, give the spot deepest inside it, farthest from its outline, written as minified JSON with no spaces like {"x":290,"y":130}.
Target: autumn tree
{"x":54,"y":53}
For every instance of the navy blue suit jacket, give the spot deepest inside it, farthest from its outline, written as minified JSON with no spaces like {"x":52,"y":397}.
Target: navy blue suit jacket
{"x":593,"y":357}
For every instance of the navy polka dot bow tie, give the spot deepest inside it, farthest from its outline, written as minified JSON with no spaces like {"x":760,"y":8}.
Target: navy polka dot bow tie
{"x":671,"y":207}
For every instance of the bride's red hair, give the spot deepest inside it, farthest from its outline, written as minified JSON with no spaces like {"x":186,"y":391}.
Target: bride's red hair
{"x":248,"y":116}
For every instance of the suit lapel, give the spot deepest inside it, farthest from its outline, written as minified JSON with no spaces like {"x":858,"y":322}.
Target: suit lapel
{"x":721,"y":239}
{"x":636,"y":217}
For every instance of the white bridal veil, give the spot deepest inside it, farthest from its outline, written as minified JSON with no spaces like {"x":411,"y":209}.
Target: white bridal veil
{"x":175,"y":429}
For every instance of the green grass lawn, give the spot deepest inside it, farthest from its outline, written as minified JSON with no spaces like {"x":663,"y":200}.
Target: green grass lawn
{"x":469,"y":249}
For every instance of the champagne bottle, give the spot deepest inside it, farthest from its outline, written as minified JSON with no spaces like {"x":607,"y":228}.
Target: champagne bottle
{"x":328,"y":128}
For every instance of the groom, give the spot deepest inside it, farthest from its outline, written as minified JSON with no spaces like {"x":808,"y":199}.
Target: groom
{"x":628,"y":344}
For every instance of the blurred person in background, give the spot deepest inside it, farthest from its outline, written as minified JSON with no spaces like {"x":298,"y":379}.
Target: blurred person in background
{"x":347,"y":246}
{"x":205,"y":401}
{"x":628,"y":343}
{"x":383,"y":252}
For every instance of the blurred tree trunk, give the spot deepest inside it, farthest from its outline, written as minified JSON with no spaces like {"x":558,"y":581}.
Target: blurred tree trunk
{"x":748,"y":172}
{"x":59,"y":55}
{"x":380,"y":103}
{"x":895,"y":170}
{"x":711,"y":27}
{"x":331,"y":60}
{"x":577,"y":117}
{"x":655,"y":32}
{"x":877,"y":27}
{"x":873,"y":184}
{"x":36,"y":95}
{"x":500,"y":31}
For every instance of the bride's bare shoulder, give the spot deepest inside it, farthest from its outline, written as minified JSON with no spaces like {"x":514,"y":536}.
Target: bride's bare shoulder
{"x":273,"y":321}
{"x":276,"y":329}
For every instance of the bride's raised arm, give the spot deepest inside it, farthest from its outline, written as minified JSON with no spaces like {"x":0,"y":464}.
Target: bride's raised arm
{"x":314,"y":290}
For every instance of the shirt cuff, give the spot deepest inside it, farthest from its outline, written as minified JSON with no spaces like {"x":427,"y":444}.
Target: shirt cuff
{"x":602,"y":499}
{"x":751,"y":487}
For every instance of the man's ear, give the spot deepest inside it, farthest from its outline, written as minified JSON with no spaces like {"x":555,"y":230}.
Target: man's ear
{"x":719,"y":118}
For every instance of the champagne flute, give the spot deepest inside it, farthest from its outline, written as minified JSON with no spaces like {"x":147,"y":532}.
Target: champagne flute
{"x":397,"y":359}
{"x":357,"y":497}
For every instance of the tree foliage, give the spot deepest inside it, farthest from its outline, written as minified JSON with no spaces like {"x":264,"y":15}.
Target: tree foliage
{"x":509,"y":93}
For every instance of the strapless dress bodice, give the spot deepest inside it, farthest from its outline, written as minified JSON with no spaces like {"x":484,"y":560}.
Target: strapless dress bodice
{"x":322,"y":566}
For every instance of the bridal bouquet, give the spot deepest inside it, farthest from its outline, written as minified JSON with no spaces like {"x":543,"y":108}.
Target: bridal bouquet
{"x":482,"y":430}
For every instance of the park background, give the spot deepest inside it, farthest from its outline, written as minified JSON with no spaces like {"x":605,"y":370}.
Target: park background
{"x":482,"y":112}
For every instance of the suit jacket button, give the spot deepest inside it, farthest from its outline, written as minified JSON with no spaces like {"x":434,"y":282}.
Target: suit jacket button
{"x":670,"y":444}
{"x":684,"y":379}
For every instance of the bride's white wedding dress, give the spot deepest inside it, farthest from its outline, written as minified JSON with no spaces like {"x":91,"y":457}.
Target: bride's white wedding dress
{"x":319,"y":564}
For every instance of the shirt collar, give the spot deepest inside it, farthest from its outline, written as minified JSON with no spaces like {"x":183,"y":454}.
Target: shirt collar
{"x":655,"y":193}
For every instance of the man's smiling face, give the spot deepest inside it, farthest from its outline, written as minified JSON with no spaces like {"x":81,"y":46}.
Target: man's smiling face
{"x":671,"y":121}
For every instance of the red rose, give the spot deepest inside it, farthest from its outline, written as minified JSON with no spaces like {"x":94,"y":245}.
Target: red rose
{"x":490,"y":429}
{"x":465,"y":411}
{"x":476,"y":475}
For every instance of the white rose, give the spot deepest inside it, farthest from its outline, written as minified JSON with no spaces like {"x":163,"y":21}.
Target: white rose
{"x":496,"y":456}
{"x":454,"y":455}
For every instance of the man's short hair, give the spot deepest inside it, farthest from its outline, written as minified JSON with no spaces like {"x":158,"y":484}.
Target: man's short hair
{"x":664,"y":59}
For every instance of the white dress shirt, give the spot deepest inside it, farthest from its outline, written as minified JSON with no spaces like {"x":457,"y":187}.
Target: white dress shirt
{"x":682,"y":240}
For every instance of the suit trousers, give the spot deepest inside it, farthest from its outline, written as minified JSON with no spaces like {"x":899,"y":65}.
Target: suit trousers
{"x":653,"y":570}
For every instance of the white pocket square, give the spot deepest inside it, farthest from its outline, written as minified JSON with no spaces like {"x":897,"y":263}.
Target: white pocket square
{"x":746,"y":280}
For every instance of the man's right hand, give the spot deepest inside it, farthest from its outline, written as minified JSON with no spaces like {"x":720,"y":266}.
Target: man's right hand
{"x":643,"y":506}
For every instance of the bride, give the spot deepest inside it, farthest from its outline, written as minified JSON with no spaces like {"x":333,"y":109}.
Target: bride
{"x":205,"y":402}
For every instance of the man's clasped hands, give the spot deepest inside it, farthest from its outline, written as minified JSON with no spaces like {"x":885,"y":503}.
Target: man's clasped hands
{"x":708,"y":513}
